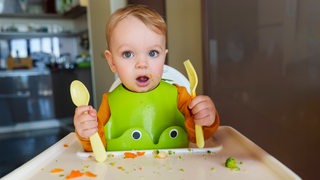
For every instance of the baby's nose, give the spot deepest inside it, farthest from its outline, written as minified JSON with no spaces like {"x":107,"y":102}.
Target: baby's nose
{"x":142,"y":63}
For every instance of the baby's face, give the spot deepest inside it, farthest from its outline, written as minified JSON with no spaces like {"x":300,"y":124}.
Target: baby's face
{"x":137,"y":54}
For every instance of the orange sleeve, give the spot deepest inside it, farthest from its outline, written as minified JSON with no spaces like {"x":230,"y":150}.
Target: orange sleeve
{"x":103,"y":117}
{"x":184,"y":100}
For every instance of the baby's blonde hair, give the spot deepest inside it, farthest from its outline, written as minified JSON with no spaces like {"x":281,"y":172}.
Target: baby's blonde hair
{"x":151,"y":18}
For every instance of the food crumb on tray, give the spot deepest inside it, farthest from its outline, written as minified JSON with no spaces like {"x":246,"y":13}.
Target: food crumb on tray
{"x":73,"y":173}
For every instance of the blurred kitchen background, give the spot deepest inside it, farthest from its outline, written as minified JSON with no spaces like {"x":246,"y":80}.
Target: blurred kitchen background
{"x":44,"y":45}
{"x":257,"y":59}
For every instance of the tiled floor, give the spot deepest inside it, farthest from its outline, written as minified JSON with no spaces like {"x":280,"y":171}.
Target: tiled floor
{"x":18,"y":148}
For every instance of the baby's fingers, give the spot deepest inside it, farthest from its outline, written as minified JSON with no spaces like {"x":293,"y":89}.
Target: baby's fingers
{"x":203,"y":110}
{"x":86,"y":125}
{"x":201,"y":102}
{"x":84,"y":110}
{"x":204,"y":118}
{"x":86,"y":133}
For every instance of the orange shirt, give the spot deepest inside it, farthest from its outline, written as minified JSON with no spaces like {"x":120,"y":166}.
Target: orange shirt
{"x":184,"y":100}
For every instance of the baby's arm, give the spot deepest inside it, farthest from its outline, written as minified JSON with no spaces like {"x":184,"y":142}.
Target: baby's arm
{"x":87,"y":121}
{"x":200,"y":110}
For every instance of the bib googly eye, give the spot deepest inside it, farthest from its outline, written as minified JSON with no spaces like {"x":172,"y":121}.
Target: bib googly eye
{"x":173,"y":133}
{"x":136,"y":135}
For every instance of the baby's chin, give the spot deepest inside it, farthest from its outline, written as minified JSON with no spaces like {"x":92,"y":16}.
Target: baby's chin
{"x":142,"y":89}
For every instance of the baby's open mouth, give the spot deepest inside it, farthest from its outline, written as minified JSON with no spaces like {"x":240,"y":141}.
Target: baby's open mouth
{"x":142,"y":79}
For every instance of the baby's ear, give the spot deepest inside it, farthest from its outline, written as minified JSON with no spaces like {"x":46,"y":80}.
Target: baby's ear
{"x":109,"y":58}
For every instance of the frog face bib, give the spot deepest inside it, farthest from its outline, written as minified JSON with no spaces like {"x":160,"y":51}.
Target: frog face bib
{"x":149,"y":120}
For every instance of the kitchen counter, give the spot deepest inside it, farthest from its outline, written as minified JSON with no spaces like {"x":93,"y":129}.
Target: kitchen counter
{"x":24,"y":72}
{"x":28,"y":95}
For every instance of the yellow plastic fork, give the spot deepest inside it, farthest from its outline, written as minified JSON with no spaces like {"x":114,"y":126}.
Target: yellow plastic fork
{"x":193,"y":80}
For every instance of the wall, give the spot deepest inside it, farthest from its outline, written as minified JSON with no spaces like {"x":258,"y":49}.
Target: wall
{"x":184,"y":36}
{"x":98,"y":13}
{"x":266,"y":83}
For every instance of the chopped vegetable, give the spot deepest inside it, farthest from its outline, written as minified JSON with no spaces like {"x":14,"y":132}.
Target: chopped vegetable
{"x":74,"y":174}
{"x":120,"y":168}
{"x":170,"y":152}
{"x":65,"y":145}
{"x":110,"y":155}
{"x":141,"y":153}
{"x":133,"y":155}
{"x":232,"y":164}
{"x":130,"y":155}
{"x":56,"y":170}
{"x":90,"y":174}
{"x":156,"y":152}
{"x":162,"y":155}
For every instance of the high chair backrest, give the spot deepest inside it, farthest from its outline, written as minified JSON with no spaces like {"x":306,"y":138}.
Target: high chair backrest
{"x":170,"y":75}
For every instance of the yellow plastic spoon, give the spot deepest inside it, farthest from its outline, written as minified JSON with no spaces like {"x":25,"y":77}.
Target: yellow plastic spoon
{"x":80,"y":96}
{"x":193,"y":79}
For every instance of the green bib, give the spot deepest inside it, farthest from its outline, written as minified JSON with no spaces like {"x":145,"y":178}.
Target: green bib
{"x":148,"y":120}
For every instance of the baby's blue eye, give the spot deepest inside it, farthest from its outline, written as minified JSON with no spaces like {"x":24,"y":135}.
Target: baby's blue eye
{"x":153,"y":53}
{"x":127,"y":54}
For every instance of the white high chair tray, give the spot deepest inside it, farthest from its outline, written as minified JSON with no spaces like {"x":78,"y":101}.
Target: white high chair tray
{"x":186,"y":163}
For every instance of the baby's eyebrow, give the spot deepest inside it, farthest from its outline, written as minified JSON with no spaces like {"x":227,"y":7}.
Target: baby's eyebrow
{"x":156,"y":47}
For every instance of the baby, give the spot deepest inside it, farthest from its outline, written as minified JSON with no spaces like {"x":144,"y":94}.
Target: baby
{"x":144,"y":112}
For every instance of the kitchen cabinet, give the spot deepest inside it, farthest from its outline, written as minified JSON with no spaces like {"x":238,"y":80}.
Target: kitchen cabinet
{"x":54,"y":33}
{"x":25,"y":96}
{"x":13,"y":33}
{"x":22,"y":98}
{"x":73,"y":13}
{"x":29,"y":35}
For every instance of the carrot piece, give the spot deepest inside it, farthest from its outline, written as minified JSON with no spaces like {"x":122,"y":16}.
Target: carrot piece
{"x":129,"y":155}
{"x":74,"y":174}
{"x":65,"y":145}
{"x":140,"y":153}
{"x":56,"y":170}
{"x":90,"y":174}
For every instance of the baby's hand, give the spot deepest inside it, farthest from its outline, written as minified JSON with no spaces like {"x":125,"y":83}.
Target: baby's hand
{"x":85,"y":121}
{"x":203,"y":110}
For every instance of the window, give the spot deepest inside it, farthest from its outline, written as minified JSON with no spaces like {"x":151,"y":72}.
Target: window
{"x":23,"y":47}
{"x":18,"y":48}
